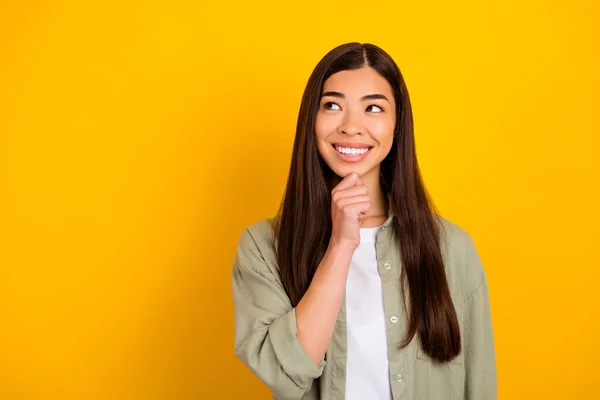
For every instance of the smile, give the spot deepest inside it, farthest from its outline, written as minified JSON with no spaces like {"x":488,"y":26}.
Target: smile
{"x":351,"y":151}
{"x":355,"y":153}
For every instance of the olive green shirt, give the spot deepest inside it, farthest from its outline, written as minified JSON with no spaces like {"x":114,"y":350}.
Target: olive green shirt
{"x":266,"y":339}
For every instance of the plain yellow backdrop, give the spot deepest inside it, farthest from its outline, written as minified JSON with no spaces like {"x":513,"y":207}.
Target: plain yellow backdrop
{"x":138,"y":139}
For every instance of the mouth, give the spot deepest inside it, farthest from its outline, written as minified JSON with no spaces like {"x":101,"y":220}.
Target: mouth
{"x":351,"y":152}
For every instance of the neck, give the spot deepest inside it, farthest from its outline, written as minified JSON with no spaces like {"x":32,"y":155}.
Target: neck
{"x":379,"y":202}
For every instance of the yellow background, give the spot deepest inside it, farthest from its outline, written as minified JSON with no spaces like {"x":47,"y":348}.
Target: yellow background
{"x":138,"y":140}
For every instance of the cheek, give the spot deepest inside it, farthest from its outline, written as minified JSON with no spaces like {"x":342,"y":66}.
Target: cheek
{"x":383,"y":132}
{"x":324,"y":126}
{"x":321,"y":133}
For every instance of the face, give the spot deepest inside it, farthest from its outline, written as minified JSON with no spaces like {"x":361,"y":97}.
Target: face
{"x":355,"y":122}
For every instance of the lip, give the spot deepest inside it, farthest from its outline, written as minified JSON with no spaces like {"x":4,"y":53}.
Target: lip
{"x":352,"y":145}
{"x":351,"y":159}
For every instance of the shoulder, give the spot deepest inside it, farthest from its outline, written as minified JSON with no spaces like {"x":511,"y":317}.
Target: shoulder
{"x":256,"y":245}
{"x":453,"y":235}
{"x":258,"y":234}
{"x":463,"y":264}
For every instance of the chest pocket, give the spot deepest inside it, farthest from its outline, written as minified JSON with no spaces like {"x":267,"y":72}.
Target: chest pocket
{"x":458,"y":360}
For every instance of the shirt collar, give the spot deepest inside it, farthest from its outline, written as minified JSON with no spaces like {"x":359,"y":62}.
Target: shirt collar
{"x":391,"y":213}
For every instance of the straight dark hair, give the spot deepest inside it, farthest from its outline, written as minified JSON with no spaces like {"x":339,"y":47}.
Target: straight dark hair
{"x":303,"y":224}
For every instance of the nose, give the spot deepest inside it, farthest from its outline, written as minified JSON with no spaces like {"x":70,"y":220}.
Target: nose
{"x":351,"y":125}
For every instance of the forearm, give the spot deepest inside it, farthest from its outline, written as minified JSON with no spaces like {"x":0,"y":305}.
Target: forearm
{"x":317,"y":311}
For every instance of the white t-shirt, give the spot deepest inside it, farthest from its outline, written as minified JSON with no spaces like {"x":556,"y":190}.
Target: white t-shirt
{"x":367,"y":373}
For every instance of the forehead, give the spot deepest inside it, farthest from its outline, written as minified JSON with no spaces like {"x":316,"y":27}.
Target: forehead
{"x":358,"y":82}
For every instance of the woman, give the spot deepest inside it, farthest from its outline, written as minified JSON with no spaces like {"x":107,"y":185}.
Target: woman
{"x":357,"y":289}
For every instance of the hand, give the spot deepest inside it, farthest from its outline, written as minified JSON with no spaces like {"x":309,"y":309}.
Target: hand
{"x":349,"y":204}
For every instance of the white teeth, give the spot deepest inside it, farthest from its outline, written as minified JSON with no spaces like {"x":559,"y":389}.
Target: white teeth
{"x":351,"y":151}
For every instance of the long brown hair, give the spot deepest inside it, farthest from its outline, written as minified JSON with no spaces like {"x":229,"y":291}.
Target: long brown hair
{"x":303,"y":224}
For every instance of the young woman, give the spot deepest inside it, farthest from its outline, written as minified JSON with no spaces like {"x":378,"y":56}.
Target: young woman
{"x":357,"y":289}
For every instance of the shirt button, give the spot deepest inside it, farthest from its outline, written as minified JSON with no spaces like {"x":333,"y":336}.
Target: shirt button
{"x":393,"y":319}
{"x":387,"y":266}
{"x":398,"y":378}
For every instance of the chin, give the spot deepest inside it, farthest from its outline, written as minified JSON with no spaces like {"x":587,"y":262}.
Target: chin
{"x":344,"y":170}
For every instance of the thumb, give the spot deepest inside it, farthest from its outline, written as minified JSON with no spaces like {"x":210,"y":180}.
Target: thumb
{"x":348,"y":181}
{"x":357,"y":181}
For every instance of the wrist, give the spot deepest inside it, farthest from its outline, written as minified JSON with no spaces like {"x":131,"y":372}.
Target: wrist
{"x":341,"y":250}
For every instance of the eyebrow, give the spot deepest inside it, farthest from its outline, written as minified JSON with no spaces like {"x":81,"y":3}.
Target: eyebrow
{"x":375,"y":96}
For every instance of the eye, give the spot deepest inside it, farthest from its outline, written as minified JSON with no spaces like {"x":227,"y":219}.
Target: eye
{"x":331,"y":106}
{"x":374,"y":108}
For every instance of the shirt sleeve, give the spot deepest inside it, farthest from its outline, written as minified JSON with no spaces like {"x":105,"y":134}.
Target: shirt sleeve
{"x":480,"y":358}
{"x":266,"y":334}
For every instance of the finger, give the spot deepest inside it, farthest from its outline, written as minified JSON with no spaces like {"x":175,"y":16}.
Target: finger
{"x":351,"y":191}
{"x":347,"y":182}
{"x":357,"y":182}
{"x":352,"y":200}
{"x":359,"y":209}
